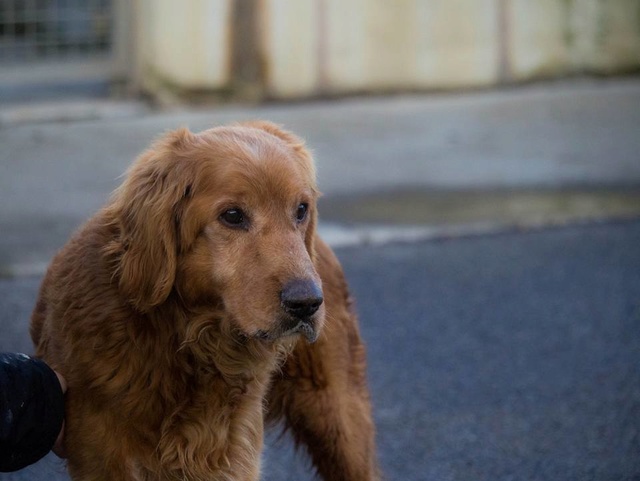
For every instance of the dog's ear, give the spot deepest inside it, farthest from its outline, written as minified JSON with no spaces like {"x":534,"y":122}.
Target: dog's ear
{"x":310,"y":236}
{"x":147,"y":208}
{"x":298,"y":145}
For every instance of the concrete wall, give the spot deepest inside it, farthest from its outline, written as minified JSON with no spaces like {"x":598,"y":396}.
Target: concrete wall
{"x":551,"y":37}
{"x":302,"y":48}
{"x":183,"y":44}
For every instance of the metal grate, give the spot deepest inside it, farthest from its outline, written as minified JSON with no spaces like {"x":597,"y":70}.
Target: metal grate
{"x":35,"y":30}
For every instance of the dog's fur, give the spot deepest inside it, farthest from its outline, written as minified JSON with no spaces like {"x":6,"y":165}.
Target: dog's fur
{"x":168,"y":323}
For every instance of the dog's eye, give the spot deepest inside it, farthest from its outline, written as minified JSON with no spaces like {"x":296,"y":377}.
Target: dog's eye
{"x":301,"y":212}
{"x":233,"y":218}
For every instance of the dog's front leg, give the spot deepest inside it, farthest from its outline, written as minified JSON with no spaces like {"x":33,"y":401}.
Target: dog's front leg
{"x":327,"y":409}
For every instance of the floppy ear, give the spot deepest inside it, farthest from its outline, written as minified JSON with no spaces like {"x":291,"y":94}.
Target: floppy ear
{"x":310,"y":236}
{"x":146,"y":209}
{"x":298,"y":145}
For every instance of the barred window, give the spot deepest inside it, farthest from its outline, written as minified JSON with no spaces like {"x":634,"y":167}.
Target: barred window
{"x":54,"y":29}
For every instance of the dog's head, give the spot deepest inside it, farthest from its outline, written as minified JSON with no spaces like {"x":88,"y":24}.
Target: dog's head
{"x":225,"y":217}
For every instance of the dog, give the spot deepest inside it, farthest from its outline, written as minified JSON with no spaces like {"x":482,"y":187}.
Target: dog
{"x":199,"y":305}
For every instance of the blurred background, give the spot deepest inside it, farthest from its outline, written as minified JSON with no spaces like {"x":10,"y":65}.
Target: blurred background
{"x":470,"y":112}
{"x":276,"y":49}
{"x":480,"y":164}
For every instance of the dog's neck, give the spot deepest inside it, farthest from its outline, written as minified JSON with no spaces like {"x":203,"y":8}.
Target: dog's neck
{"x":205,"y":340}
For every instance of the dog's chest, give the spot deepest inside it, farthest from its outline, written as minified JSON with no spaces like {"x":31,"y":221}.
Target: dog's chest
{"x":216,"y":435}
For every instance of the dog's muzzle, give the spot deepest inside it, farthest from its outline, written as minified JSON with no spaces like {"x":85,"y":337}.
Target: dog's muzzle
{"x":305,"y":327}
{"x":289,"y":327}
{"x":300,"y":300}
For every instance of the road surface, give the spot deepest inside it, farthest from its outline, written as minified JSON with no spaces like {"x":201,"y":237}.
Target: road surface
{"x":501,"y":357}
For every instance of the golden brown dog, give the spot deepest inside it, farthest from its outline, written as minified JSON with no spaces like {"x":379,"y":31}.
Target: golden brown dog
{"x":198,"y":303}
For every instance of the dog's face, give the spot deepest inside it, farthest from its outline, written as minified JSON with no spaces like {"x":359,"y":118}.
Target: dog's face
{"x":226,"y":218}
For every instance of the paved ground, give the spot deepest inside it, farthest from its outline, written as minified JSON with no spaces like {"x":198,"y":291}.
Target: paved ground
{"x":504,"y":357}
{"x":540,"y":137}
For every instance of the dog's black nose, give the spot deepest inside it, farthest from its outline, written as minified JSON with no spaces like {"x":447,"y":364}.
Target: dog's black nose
{"x":301,"y":298}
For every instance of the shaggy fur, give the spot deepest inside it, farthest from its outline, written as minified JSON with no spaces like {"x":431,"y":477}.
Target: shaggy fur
{"x":166,"y":318}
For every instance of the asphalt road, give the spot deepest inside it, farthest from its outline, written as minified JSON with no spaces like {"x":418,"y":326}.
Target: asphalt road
{"x":503,"y":357}
{"x":53,"y":175}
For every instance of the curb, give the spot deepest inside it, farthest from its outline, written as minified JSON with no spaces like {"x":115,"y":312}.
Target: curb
{"x":69,"y":111}
{"x":342,"y":236}
{"x":338,"y":236}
